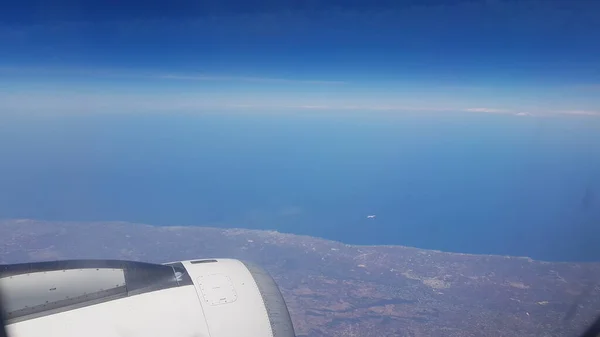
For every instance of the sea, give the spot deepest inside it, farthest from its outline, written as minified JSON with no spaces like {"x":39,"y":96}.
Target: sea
{"x":451,"y":181}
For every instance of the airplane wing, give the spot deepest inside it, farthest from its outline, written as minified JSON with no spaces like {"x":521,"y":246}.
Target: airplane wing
{"x":110,"y":298}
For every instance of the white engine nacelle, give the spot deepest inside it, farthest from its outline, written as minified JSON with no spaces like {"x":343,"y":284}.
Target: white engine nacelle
{"x":115,"y":298}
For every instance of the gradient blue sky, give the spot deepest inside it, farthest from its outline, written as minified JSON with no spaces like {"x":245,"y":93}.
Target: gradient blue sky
{"x":495,"y":111}
{"x":497,"y":56}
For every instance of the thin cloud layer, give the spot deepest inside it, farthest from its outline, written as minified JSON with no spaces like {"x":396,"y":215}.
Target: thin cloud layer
{"x":149,"y":93}
{"x":488,"y":110}
{"x":69,"y":103}
{"x":242,"y":79}
{"x":154,"y":74}
{"x":581,"y":112}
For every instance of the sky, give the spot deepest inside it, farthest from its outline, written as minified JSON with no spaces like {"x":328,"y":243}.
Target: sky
{"x":494,"y":56}
{"x":450,"y":120}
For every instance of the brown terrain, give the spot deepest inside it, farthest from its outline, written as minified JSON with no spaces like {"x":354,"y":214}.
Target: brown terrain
{"x":333,"y":289}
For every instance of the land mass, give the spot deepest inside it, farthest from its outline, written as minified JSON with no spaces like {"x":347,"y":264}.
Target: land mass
{"x":335,"y":289}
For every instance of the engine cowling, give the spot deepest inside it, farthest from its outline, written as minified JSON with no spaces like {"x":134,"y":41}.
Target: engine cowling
{"x":208,"y":297}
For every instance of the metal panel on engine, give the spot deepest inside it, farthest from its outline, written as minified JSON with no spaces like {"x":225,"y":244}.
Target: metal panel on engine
{"x":230,"y":299}
{"x":217,"y":289}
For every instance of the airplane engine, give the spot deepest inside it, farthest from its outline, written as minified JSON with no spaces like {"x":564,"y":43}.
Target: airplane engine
{"x":110,"y":298}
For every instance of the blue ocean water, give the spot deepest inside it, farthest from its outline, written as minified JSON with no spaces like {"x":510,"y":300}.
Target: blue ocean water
{"x":493,"y":184}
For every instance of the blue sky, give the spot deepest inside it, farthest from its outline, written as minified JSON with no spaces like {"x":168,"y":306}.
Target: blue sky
{"x":495,"y":105}
{"x":517,"y":57}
